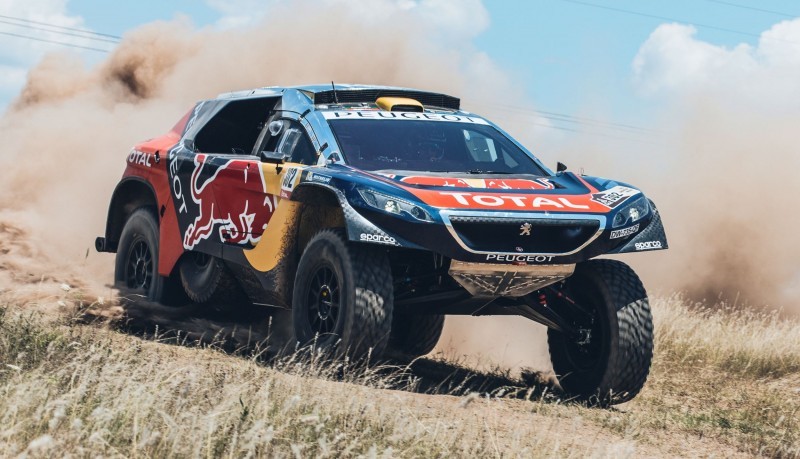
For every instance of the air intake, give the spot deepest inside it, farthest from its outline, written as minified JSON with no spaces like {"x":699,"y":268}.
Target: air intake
{"x":399,"y":104}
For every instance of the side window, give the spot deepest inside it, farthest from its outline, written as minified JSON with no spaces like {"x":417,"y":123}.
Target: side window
{"x":235,"y":128}
{"x":294,"y":144}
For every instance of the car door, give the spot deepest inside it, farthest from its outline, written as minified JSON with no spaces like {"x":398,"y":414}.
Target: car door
{"x":220,"y":182}
{"x":240,"y":191}
{"x":248,"y":191}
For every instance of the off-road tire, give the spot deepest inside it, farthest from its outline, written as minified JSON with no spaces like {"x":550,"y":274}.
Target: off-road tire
{"x":415,"y":335}
{"x":136,"y":266}
{"x":617,"y":358}
{"x":363,"y":312}
{"x":206,"y":280}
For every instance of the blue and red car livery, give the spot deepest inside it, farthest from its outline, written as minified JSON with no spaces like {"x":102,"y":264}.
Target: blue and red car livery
{"x":252,"y":189}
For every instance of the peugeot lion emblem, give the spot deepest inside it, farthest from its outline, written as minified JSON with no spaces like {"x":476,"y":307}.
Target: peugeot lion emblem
{"x":525,"y":229}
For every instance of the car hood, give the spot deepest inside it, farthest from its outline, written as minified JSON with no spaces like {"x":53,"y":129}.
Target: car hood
{"x":564,"y":192}
{"x":474,"y":182}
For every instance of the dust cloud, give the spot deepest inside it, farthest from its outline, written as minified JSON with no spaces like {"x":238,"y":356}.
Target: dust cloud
{"x":730,"y":205}
{"x":725,"y":183}
{"x":726,"y":188}
{"x":721,"y":165}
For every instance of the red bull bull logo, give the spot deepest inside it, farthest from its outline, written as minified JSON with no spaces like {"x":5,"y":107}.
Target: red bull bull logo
{"x":232,"y":202}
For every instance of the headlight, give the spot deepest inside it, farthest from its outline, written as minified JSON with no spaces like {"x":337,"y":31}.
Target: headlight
{"x":392,"y":205}
{"x":632,"y":213}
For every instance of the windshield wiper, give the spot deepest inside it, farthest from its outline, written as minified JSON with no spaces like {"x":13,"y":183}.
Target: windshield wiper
{"x":478,"y":171}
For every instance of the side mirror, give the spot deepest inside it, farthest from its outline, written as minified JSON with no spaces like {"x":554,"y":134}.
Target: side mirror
{"x":334,"y":158}
{"x":560,"y":167}
{"x":272,"y":157}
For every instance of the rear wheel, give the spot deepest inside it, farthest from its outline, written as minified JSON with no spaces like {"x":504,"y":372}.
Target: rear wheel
{"x":136,"y":267}
{"x":609,"y":360}
{"x":206,"y":280}
{"x":342,"y":299}
{"x":417,"y":335}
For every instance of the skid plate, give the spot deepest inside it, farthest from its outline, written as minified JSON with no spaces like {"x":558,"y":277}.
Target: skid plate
{"x":493,"y":280}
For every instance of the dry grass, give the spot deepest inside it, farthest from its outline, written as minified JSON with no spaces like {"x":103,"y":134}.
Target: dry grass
{"x":723,"y":373}
{"x":742,"y":342}
{"x":723,"y":383}
{"x":89,"y":390}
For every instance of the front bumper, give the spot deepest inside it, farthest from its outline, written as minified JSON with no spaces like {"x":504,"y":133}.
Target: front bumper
{"x":553,"y":239}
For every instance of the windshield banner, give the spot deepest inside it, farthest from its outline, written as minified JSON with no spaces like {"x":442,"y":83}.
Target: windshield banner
{"x":414,"y":116}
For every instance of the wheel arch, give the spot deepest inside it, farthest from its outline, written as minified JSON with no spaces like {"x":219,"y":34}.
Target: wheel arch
{"x":130,"y":194}
{"x":321,"y":209}
{"x":336,"y":212}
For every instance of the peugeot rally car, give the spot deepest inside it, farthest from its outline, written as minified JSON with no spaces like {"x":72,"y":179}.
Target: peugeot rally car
{"x":373,"y":212}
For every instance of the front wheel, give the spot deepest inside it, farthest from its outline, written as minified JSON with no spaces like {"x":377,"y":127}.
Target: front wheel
{"x":342,"y":299}
{"x":608,"y":361}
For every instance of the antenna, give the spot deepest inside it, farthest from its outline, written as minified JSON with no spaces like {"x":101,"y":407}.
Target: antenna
{"x":335,"y":97}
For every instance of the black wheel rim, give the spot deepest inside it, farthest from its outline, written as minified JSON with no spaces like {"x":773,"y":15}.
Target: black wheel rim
{"x":139,"y":269}
{"x":323,"y":300}
{"x":585,"y":350}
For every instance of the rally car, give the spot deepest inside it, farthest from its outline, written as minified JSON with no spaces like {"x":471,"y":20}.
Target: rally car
{"x":373,"y":212}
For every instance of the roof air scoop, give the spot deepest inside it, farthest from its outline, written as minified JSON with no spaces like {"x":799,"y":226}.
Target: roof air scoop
{"x":399,"y":104}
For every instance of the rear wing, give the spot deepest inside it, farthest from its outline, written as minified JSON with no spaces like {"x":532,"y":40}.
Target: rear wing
{"x":355,"y":95}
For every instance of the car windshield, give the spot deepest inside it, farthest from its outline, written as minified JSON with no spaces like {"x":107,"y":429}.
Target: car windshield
{"x":431,"y":145}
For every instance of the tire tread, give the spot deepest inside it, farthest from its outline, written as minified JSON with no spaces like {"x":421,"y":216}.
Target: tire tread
{"x":630,"y":351}
{"x":374,"y":298}
{"x":367,"y":330}
{"x":627,"y":371}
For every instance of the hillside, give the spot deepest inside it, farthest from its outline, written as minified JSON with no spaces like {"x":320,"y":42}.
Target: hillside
{"x":83,"y":375}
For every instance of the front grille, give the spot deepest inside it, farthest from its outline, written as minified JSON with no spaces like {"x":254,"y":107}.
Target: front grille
{"x":487,"y":234}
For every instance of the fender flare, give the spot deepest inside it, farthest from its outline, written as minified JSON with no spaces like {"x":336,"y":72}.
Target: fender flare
{"x":129,"y":194}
